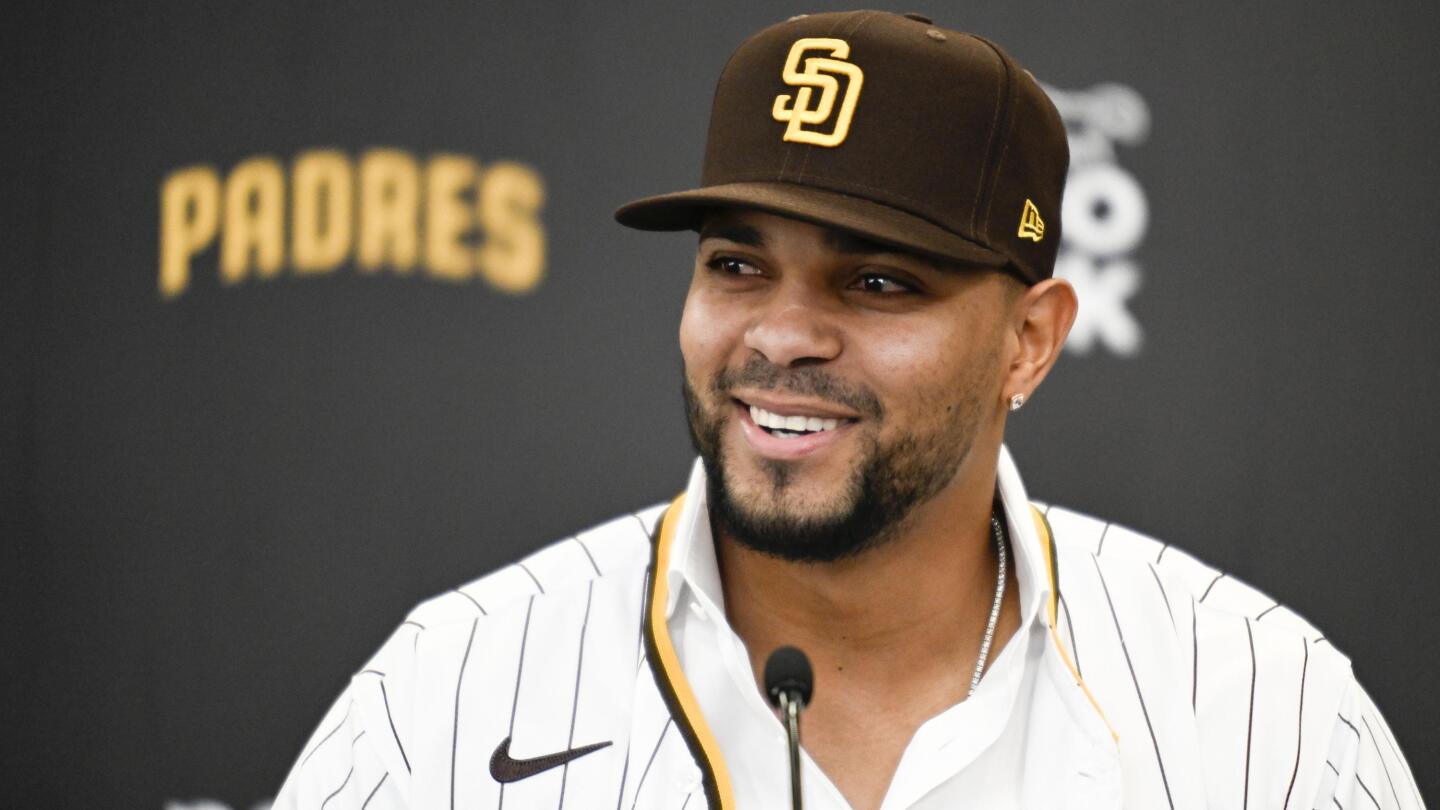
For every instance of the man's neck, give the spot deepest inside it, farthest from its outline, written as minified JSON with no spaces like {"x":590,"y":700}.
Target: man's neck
{"x":940,"y":567}
{"x":893,"y":634}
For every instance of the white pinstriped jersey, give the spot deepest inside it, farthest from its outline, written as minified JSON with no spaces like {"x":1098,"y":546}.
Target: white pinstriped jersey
{"x":1152,"y":681}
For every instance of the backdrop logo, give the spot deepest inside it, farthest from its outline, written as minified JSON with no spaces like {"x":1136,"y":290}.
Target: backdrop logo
{"x":1104,"y":215}
{"x":446,"y":216}
{"x":819,"y":74}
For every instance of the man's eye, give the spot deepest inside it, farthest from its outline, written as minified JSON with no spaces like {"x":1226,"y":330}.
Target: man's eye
{"x":877,"y":283}
{"x":732,"y":266}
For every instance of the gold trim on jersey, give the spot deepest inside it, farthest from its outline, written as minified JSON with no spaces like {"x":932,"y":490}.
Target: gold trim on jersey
{"x":674,"y":688}
{"x":1052,"y":616}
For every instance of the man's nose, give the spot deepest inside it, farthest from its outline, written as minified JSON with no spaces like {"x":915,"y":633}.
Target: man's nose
{"x":794,"y":328}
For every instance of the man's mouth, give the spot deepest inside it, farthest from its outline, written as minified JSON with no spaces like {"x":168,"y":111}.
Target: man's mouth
{"x":790,"y":428}
{"x":793,"y":426}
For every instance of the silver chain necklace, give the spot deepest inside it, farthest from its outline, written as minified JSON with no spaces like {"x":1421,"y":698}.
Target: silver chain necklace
{"x":994,"y":606}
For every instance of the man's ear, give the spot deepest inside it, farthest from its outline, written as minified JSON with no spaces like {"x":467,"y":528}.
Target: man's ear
{"x":1042,"y":317}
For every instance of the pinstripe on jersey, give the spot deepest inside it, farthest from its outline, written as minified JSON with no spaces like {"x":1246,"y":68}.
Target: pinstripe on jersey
{"x":1216,"y":695}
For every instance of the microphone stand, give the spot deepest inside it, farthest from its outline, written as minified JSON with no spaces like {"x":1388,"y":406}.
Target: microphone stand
{"x":790,"y":706}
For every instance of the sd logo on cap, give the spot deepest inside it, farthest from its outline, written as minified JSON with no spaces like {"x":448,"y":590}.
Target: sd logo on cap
{"x":818,"y":76}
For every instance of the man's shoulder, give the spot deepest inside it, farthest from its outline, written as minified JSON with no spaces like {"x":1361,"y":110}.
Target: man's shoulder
{"x":1142,"y":613}
{"x":1123,"y":561}
{"x":1184,"y":657}
{"x":588,"y":585}
{"x":616,"y":551}
{"x":506,"y":642}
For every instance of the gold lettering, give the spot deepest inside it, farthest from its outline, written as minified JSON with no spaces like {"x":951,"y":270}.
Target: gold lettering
{"x":322,"y":211}
{"x":469,"y":223}
{"x":389,"y":210}
{"x":254,"y":220}
{"x":448,"y":216}
{"x":189,"y":216}
{"x":512,"y":257}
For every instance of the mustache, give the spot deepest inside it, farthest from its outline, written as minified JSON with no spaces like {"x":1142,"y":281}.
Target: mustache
{"x":808,"y":381}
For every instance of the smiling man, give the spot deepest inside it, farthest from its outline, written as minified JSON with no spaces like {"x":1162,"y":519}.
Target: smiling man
{"x":848,"y":399}
{"x":872,"y":296}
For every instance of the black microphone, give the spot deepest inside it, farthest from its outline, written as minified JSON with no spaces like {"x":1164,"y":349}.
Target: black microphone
{"x":789,"y":682}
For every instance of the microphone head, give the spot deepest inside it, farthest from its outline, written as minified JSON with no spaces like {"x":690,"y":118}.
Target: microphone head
{"x":788,"y":670}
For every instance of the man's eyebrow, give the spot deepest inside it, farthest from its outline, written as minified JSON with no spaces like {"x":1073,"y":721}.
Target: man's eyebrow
{"x":733,"y":232}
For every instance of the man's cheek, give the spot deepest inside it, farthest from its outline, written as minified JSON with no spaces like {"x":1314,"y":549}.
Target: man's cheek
{"x":710,"y":330}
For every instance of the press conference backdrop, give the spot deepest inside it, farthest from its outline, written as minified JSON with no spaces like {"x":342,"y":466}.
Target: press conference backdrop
{"x":314,"y":310}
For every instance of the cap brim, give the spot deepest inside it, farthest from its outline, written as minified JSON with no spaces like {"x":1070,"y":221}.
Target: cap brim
{"x":684,"y":210}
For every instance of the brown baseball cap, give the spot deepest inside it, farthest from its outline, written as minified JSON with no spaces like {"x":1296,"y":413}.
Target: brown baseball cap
{"x":931,"y":140}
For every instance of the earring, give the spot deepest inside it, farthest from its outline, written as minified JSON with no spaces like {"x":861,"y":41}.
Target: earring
{"x":1017,"y":401}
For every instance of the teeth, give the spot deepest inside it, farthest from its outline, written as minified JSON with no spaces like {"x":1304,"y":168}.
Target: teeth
{"x":791,"y":424}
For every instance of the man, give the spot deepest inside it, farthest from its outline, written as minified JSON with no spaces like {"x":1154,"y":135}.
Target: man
{"x":872,"y":294}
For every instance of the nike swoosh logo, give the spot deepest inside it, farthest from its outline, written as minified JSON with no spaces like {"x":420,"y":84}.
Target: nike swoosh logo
{"x":504,"y":768}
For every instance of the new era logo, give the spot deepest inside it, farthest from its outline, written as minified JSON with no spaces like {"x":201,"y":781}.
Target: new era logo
{"x":1032,"y":227}
{"x":821,"y":74}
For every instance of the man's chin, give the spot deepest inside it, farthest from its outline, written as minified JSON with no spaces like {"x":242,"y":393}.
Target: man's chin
{"x":768,"y":509}
{"x":793,"y":524}
{"x":781,"y":487}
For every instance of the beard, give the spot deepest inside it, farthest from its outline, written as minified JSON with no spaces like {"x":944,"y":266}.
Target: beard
{"x":889,"y":479}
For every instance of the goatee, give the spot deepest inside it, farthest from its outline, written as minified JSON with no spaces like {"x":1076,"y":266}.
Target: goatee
{"x":888,"y":481}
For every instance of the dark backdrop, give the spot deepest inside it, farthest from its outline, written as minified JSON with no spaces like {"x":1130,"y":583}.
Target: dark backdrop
{"x":217,"y":503}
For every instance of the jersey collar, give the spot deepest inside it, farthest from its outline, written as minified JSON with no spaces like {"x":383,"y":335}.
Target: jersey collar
{"x":693,"y":567}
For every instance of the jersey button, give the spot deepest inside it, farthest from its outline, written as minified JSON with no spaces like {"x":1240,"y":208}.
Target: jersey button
{"x":687,"y":780}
